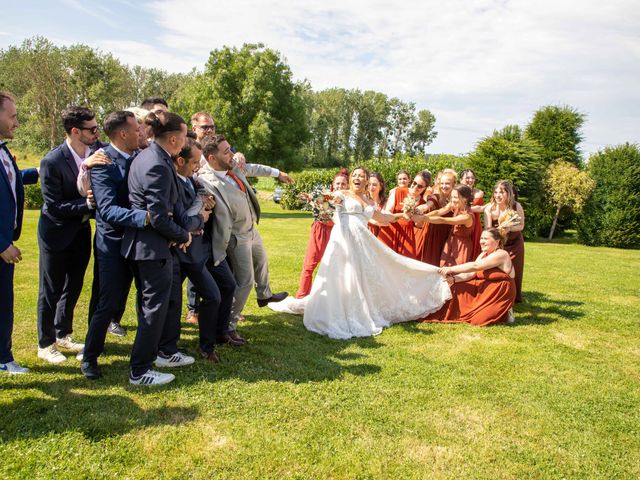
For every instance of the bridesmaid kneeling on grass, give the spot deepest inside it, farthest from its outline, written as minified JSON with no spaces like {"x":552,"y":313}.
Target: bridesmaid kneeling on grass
{"x":483,"y":291}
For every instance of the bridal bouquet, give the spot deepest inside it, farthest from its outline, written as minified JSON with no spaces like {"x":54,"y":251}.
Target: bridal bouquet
{"x":321,"y":201}
{"x":409,"y":205}
{"x":508,"y":218}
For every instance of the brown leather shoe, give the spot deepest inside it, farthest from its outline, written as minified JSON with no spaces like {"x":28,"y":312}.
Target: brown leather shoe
{"x":192,"y":317}
{"x":211,"y":357}
{"x":234,"y":342}
{"x":233,"y":334}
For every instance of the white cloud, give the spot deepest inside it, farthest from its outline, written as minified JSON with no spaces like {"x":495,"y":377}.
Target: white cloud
{"x":478,"y":65}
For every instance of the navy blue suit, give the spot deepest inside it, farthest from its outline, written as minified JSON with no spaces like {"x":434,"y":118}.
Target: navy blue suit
{"x":11,"y":211}
{"x":153,"y":187}
{"x":64,"y":238}
{"x":114,"y":276}
{"x":215,"y":285}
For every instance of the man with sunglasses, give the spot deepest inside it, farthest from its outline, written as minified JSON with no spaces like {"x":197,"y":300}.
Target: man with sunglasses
{"x":64,"y":234}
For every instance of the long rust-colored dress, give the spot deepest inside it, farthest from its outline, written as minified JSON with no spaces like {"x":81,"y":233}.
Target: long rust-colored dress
{"x":402,"y":231}
{"x":459,"y":246}
{"x":318,"y":240}
{"x":514,"y":245}
{"x":435,"y":237}
{"x":477,"y":228}
{"x":482,"y":301}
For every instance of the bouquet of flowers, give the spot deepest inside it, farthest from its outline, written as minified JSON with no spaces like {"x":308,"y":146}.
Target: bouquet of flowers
{"x":409,"y":205}
{"x":321,"y":201}
{"x":507,"y":219}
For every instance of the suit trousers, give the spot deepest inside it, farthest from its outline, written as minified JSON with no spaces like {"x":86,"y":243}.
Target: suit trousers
{"x":6,"y":311}
{"x":168,"y":344}
{"x":95,"y":290}
{"x":153,"y":284}
{"x":248,"y":260}
{"x":115,"y":276}
{"x":61,"y":279}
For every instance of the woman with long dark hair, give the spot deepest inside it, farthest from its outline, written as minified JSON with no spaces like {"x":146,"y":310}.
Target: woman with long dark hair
{"x":483,"y":291}
{"x":350,"y":297}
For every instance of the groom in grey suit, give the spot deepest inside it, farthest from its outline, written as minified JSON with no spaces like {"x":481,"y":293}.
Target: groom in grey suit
{"x":237,"y":212}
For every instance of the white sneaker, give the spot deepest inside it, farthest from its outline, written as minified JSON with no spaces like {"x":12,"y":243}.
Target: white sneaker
{"x":511,"y":318}
{"x":13,"y":368}
{"x":80,"y":355}
{"x":178,"y":359}
{"x":51,"y":354}
{"x":151,"y":377}
{"x":70,"y":344}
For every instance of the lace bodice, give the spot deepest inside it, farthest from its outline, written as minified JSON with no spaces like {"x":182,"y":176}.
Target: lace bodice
{"x":351,"y":206}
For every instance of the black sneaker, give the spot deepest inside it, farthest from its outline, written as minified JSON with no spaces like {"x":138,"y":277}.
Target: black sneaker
{"x":92,"y":372}
{"x":117,"y":330}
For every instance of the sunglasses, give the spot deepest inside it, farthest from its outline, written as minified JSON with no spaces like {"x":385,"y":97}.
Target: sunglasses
{"x":207,"y":127}
{"x":93,"y":130}
{"x":416,"y":184}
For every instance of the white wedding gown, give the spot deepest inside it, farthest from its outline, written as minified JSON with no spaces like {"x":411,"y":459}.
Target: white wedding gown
{"x":362,"y":285}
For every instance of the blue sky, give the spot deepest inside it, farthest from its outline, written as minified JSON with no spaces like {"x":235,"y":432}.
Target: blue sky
{"x":477,"y":66}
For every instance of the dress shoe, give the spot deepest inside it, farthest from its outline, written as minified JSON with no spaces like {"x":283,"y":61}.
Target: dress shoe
{"x":211,"y":357}
{"x":92,"y":372}
{"x":234,"y":342}
{"x":276,"y":297}
{"x":233,"y":334}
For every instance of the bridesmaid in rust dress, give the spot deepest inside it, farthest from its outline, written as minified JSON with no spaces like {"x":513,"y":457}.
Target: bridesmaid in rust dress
{"x":435,"y":236}
{"x":468,"y":178}
{"x":502,"y":199}
{"x":404,"y":241}
{"x":318,"y":239}
{"x":483,"y":292}
{"x":378,"y":194}
{"x":459,"y":246}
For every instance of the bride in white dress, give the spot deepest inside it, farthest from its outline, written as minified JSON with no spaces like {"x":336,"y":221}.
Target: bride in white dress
{"x":362,"y":285}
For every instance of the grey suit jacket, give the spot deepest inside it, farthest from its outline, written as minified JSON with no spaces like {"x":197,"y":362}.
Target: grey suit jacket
{"x":223,"y":211}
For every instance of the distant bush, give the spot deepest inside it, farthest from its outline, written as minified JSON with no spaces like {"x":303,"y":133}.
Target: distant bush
{"x":611,"y":216}
{"x":33,"y":197}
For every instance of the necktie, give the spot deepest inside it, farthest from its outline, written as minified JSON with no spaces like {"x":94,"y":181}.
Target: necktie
{"x":7,"y":162}
{"x":237,"y":180}
{"x":189,"y":186}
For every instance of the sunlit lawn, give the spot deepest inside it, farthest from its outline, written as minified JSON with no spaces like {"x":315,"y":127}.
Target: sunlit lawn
{"x":556,"y":395}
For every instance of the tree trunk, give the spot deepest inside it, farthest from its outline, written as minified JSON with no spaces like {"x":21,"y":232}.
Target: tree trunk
{"x":555,"y":222}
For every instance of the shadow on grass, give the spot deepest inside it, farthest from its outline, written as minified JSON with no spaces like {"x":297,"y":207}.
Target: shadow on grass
{"x":538,"y":308}
{"x":281,"y":349}
{"x":96,"y":415}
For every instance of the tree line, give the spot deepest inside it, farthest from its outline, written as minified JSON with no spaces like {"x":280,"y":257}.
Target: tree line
{"x":278,"y":121}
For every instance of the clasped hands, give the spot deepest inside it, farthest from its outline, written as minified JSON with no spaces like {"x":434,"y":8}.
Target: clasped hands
{"x":11,"y":255}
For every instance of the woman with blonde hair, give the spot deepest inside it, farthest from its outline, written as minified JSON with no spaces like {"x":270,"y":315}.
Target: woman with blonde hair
{"x":504,"y":206}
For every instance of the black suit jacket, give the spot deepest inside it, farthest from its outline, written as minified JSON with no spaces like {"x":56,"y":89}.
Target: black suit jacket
{"x":195,"y":253}
{"x":11,"y":208}
{"x":64,"y":211}
{"x":153,"y":186}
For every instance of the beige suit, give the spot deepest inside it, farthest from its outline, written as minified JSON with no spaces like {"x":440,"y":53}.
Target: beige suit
{"x":234,"y":234}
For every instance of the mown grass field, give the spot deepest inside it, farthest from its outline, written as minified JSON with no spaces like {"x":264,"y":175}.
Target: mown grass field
{"x":556,"y":395}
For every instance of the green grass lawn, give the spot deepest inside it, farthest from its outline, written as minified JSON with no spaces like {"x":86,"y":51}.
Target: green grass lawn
{"x":556,"y":395}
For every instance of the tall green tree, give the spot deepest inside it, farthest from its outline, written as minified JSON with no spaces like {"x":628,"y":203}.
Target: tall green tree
{"x":508,"y":154}
{"x":422,"y":133}
{"x":558,"y":130}
{"x":611,"y":216}
{"x":254,"y":101}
